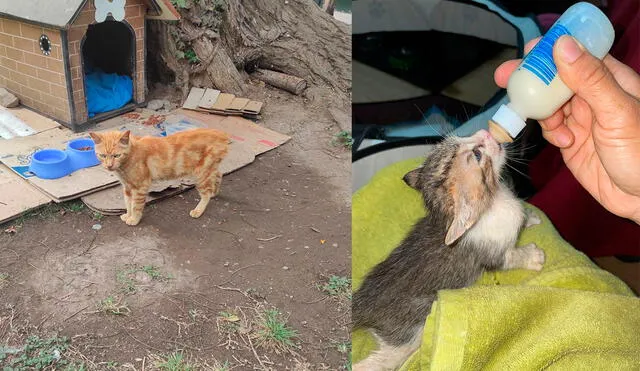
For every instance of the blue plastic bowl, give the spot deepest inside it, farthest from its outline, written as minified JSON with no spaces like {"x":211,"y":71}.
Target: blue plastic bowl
{"x":50,"y":164}
{"x":81,"y":159}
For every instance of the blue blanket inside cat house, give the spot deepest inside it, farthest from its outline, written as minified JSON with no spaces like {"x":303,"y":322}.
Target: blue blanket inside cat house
{"x":78,"y":61}
{"x":424,"y":68}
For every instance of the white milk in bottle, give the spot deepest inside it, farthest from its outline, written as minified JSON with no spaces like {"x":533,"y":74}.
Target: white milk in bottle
{"x":535,"y":90}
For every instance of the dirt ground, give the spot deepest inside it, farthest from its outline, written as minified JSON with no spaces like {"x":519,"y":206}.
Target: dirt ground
{"x":258,"y":282}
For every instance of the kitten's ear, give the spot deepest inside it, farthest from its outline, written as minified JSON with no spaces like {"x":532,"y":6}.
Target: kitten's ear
{"x":124,"y":139}
{"x":465,"y":215}
{"x":97,"y":139}
{"x":412,"y":178}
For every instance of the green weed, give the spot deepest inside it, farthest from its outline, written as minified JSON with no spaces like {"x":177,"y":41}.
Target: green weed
{"x":338,"y":286}
{"x":343,"y":138}
{"x":274,"y":333}
{"x":174,"y":362}
{"x":37,"y":354}
{"x":112,"y":306}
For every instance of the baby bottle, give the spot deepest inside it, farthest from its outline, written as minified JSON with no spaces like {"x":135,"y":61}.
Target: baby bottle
{"x":535,"y":90}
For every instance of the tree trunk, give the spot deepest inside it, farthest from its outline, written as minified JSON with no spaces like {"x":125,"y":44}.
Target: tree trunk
{"x":230,"y":39}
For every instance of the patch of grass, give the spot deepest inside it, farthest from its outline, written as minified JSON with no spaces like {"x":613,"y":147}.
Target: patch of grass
{"x":126,"y":276}
{"x":4,"y":279}
{"x":112,"y":306}
{"x":179,"y":3}
{"x":343,"y":138}
{"x":36,"y":354}
{"x":224,"y":366}
{"x":274,"y":333}
{"x":125,"y":279}
{"x":51,"y":211}
{"x":343,"y":347}
{"x":97,"y":216}
{"x":338,"y":286}
{"x":174,"y":362}
{"x":227,"y":322}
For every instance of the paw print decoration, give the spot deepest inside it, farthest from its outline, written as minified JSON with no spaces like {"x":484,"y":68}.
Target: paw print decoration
{"x":106,"y":7}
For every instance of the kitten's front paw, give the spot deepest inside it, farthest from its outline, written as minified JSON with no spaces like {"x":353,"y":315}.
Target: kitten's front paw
{"x":124,"y":217}
{"x":535,"y":257}
{"x":532,"y":219}
{"x":195,"y":213}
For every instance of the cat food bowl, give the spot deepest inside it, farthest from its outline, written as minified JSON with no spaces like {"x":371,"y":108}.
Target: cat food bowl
{"x":53,"y":163}
{"x":50,"y":164}
{"x":82,"y":153}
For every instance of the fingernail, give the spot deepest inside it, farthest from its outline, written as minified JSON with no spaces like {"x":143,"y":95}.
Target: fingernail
{"x":569,"y":49}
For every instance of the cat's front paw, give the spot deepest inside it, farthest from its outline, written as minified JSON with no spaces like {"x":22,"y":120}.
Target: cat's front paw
{"x":124,"y":217}
{"x":532,"y":219}
{"x":131,"y":220}
{"x":195,"y":213}
{"x":534,"y":257}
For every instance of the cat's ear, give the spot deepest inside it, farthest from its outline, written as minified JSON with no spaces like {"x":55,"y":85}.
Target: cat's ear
{"x":412,"y":178}
{"x":465,"y":214}
{"x":124,"y":139}
{"x":97,"y":139}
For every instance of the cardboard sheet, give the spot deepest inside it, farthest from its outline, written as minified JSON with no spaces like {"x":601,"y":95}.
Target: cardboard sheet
{"x":193,"y":100}
{"x":237,"y":105}
{"x":18,"y":196}
{"x":36,"y":121}
{"x":223,"y":102}
{"x":209,"y":98}
{"x":247,"y":141}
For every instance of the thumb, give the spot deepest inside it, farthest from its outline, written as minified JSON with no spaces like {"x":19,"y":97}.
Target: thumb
{"x":588,"y":77}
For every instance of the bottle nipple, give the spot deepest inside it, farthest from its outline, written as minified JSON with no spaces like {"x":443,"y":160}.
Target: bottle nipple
{"x":500,"y":135}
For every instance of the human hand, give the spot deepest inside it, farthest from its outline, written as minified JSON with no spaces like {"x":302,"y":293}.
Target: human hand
{"x":598,"y":129}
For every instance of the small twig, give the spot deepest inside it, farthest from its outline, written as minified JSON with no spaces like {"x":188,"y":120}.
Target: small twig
{"x":315,"y":229}
{"x":238,"y":270}
{"x":315,"y":301}
{"x":74,"y":314}
{"x":269,"y":239}
{"x":253,"y":349}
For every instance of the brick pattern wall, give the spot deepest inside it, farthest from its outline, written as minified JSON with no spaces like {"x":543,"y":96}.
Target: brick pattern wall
{"x":135,"y":11}
{"x":38,"y":80}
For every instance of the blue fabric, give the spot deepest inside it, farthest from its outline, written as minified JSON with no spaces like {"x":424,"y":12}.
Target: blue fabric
{"x":107,"y":91}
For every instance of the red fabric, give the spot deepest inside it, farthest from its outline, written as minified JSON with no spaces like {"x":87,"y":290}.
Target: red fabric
{"x":579,"y":218}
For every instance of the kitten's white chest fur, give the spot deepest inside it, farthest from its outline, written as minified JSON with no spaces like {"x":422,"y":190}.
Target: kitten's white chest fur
{"x":501,"y":223}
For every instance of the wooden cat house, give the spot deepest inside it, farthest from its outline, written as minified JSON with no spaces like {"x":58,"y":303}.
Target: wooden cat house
{"x":77,"y":61}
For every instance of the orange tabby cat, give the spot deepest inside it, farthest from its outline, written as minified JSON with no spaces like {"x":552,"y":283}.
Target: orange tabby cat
{"x":140,"y":160}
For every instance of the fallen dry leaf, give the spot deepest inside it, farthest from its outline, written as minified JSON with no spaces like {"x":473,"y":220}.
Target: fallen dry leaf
{"x":11,"y":230}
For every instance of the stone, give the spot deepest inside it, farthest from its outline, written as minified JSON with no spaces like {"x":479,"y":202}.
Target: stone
{"x":7,"y":99}
{"x":157,"y":104}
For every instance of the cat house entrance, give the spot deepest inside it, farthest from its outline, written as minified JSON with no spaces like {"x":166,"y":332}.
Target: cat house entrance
{"x":108,"y":59}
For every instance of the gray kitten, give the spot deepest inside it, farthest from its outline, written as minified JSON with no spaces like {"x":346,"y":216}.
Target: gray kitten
{"x":472,"y":225}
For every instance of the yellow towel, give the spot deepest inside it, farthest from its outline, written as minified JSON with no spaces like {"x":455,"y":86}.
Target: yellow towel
{"x":571,"y":316}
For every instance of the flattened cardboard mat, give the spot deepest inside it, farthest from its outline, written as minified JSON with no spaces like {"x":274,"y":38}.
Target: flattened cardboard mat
{"x":247,"y":141}
{"x":214,"y":101}
{"x":17,"y":196}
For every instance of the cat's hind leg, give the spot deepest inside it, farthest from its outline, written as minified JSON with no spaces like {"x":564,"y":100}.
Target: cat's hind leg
{"x":208,"y":185}
{"x":389,"y":357}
